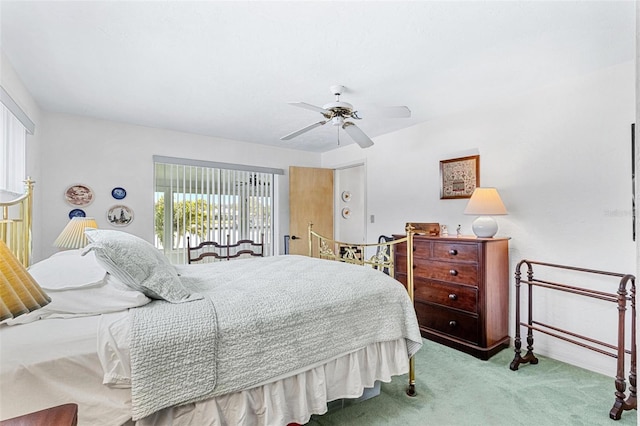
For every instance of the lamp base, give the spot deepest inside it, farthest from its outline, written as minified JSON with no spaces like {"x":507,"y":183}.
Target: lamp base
{"x":484,"y":226}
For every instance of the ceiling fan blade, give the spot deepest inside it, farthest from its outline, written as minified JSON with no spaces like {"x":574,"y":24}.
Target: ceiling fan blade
{"x":396,"y":111}
{"x":303,"y":130}
{"x":357,"y":134}
{"x":311,"y":107}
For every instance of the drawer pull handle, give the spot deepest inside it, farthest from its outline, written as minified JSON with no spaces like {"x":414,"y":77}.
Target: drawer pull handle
{"x":453,"y":252}
{"x":453,"y":272}
{"x":453,"y":296}
{"x":452,"y":323}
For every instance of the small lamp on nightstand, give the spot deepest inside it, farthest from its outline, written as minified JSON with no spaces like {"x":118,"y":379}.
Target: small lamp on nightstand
{"x":485,"y":202}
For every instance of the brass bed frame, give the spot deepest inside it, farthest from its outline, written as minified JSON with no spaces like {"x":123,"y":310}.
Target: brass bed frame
{"x":383,"y":260}
{"x":15,"y":223}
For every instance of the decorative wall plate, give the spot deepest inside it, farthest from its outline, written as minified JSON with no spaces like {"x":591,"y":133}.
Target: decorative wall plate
{"x":77,"y":213}
{"x":79,"y":195}
{"x":346,"y":196}
{"x":119,"y":215}
{"x":118,"y":193}
{"x":346,"y":212}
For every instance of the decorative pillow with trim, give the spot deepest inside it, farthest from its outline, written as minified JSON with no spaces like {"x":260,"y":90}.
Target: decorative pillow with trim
{"x":137,"y":264}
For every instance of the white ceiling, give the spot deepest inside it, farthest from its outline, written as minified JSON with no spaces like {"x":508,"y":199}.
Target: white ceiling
{"x":228,"y":68}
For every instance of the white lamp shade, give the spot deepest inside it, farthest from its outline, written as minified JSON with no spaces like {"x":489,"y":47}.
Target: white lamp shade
{"x":72,"y":236}
{"x":485,"y":201}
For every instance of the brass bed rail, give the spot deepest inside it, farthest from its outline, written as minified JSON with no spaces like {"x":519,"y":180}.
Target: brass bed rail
{"x":621,"y":298}
{"x":15,"y":224}
{"x":330,"y":249}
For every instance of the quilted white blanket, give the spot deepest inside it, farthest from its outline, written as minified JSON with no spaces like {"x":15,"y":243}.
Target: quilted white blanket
{"x":262,"y":318}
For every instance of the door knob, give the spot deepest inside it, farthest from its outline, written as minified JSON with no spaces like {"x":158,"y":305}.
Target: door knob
{"x":293,"y":237}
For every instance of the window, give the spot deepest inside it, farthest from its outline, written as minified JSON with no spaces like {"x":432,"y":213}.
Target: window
{"x":12,"y":152}
{"x":13,"y":135}
{"x":209,"y":201}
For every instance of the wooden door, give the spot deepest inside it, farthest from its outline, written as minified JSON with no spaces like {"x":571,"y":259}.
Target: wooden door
{"x":310,"y":200}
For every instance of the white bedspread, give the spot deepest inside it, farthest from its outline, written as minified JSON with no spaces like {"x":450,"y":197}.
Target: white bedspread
{"x":275,"y":316}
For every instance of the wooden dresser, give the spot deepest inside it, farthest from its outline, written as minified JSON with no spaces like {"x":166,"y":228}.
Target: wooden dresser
{"x":461,"y":291}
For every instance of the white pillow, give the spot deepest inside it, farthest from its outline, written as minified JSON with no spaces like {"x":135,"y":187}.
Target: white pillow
{"x":108,"y":296}
{"x":138,"y":264}
{"x":67,"y":269}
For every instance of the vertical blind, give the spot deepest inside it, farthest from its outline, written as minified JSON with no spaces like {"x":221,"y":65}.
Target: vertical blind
{"x":13,"y":139}
{"x":208,"y":202}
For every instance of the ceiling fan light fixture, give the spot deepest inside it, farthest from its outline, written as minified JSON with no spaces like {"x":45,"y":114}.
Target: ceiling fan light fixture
{"x":337,"y":112}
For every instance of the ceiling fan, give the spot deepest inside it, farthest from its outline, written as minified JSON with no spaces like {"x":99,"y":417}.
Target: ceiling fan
{"x":338,"y":112}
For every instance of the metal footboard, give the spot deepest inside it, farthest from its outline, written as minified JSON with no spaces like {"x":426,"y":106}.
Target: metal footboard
{"x":383,"y":260}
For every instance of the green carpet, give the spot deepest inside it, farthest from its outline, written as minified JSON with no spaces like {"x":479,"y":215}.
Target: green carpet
{"x":457,"y":389}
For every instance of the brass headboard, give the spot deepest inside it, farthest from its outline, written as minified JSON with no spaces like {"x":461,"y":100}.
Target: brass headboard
{"x":15,"y":224}
{"x":383,"y":260}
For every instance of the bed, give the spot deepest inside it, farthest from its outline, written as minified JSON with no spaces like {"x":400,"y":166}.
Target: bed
{"x":134,"y":340}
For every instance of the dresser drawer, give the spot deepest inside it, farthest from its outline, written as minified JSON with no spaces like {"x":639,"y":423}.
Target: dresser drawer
{"x":461,"y":273}
{"x":451,"y":295}
{"x":421,"y":249}
{"x":455,"y":251}
{"x":450,"y":322}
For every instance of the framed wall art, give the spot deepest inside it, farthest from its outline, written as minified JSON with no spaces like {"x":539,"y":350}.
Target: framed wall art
{"x":118,"y":193}
{"x":78,"y":195}
{"x":119,"y":215}
{"x":77,"y":213}
{"x":459,"y":177}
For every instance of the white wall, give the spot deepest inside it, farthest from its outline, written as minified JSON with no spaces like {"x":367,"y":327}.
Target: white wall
{"x":560,"y":158}
{"x":350,"y":228}
{"x":104,"y":154}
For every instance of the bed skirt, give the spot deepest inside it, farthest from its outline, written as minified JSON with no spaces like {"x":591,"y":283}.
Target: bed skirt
{"x":293,"y":399}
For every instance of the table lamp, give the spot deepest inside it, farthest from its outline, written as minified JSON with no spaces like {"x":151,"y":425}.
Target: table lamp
{"x":19,"y":292}
{"x":72,"y":236}
{"x":485,"y":202}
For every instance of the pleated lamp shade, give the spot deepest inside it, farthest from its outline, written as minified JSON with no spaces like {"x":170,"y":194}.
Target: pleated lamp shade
{"x":72,"y":236}
{"x":19,"y":292}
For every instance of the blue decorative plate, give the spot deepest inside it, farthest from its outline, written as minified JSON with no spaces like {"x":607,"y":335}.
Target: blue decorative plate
{"x":118,"y":193}
{"x":77,"y":213}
